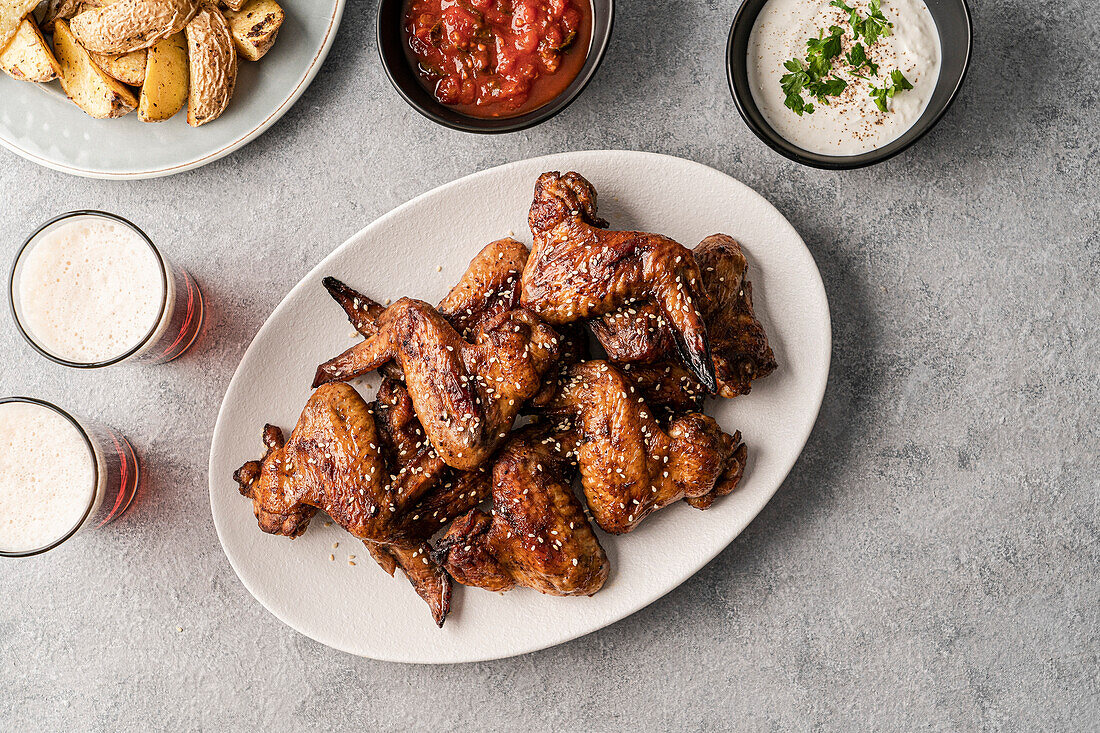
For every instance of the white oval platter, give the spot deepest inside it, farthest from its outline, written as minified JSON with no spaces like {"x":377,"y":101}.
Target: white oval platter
{"x":361,"y":610}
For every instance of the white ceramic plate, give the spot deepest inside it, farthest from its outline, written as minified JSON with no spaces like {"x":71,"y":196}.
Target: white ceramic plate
{"x":39,"y":123}
{"x":361,"y":609}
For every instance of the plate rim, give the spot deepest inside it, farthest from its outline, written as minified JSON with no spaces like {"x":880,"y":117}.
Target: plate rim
{"x":735,"y":528}
{"x":274,"y":116}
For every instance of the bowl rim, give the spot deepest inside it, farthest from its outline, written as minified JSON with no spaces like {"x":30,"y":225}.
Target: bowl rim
{"x":596,"y":52}
{"x":789,"y":150}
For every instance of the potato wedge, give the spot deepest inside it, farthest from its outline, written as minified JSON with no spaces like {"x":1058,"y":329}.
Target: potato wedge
{"x":166,"y":80}
{"x":28,"y":57}
{"x":12,"y":13}
{"x":233,"y":4}
{"x":92,"y":90}
{"x":255,"y":26}
{"x":129,"y":25}
{"x":213,"y":65}
{"x":54,"y":9}
{"x":128,"y":68}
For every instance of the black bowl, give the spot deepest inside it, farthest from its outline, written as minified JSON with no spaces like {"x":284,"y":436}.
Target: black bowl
{"x":953,"y":25}
{"x":391,"y":47}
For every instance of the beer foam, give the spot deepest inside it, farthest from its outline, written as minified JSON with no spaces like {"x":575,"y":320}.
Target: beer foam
{"x":47,"y":476}
{"x":90,"y":289}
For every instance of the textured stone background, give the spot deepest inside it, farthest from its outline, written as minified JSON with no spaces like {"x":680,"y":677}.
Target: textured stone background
{"x":931,"y":561}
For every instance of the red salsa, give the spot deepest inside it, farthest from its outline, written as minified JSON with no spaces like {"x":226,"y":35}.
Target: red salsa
{"x":497,"y":58}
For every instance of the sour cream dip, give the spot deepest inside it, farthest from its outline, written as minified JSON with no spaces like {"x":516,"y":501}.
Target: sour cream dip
{"x":851,"y":123}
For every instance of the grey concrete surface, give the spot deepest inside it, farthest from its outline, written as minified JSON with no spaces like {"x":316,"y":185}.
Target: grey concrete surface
{"x":930,"y":563}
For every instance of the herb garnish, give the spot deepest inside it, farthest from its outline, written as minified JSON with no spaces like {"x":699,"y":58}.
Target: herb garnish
{"x":815,"y":75}
{"x":857,"y":59}
{"x":871,"y":27}
{"x":898,"y":83}
{"x":811,"y":74}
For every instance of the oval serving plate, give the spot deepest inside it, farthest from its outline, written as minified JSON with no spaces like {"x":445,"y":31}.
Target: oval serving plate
{"x":39,"y":123}
{"x":362,"y":610}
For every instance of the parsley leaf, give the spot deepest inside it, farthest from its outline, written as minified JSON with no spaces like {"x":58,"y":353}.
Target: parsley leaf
{"x":898,"y":83}
{"x":873,"y":26}
{"x":829,"y":88}
{"x":824,"y":47}
{"x":857,"y":59}
{"x":792,"y":84}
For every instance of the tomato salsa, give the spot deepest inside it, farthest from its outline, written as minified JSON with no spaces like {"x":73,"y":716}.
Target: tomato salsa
{"x":497,"y":58}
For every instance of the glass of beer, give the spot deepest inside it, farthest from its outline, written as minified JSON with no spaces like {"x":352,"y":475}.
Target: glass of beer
{"x":59,"y":475}
{"x":89,"y":289}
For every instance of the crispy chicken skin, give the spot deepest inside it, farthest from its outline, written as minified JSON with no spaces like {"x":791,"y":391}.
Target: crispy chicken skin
{"x":448,"y":493}
{"x":630,"y":466}
{"x":666,"y":387}
{"x":537,"y":535}
{"x":466,"y":395}
{"x":490,"y":286}
{"x":740,"y":346}
{"x":639,"y":333}
{"x":444,"y":494}
{"x":331,"y":463}
{"x":578,"y":269}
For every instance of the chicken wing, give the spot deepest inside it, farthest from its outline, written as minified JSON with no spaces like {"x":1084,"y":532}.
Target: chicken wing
{"x":333,"y":463}
{"x":466,"y":395}
{"x":537,"y":536}
{"x":443,"y":495}
{"x":639,"y":333}
{"x":578,"y":269}
{"x":630,"y":466}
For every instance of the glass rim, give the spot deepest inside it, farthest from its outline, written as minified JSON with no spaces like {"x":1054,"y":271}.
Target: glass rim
{"x":161,"y":263}
{"x":95,"y":476}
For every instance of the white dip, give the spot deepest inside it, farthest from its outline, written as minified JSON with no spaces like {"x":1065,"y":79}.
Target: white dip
{"x":851,"y":123}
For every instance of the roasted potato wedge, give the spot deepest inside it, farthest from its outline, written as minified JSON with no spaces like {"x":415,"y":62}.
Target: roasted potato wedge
{"x":12,"y":13}
{"x":129,"y":25}
{"x":86,"y":84}
{"x":213,"y":65}
{"x":166,"y":80}
{"x":128,"y":68}
{"x":28,"y":57}
{"x":54,"y":9}
{"x":234,"y":4}
{"x":255,"y":26}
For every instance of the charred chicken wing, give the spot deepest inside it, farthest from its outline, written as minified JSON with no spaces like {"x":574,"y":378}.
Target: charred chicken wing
{"x":333,"y":462}
{"x":466,"y":395}
{"x":630,"y":464}
{"x":578,"y":269}
{"x":640,"y":333}
{"x":537,"y":535}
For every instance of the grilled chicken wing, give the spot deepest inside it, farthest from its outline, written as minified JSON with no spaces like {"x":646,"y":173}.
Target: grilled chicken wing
{"x":578,"y":269}
{"x":333,"y":463}
{"x":490,"y":286}
{"x":666,"y":386}
{"x":444,"y":494}
{"x":630,"y":466}
{"x":537,"y":536}
{"x":639,"y":333}
{"x":466,"y":395}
